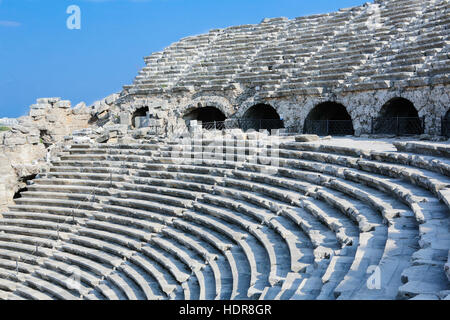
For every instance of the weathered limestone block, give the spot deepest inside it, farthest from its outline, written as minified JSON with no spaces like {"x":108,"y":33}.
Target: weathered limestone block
{"x":33,"y":139}
{"x":121,"y":129}
{"x":51,"y":118}
{"x":48,"y":100}
{"x":125,"y":118}
{"x":307,"y":138}
{"x":20,"y":129}
{"x":82,"y":140}
{"x":37,"y":113}
{"x":103,"y":138}
{"x":16,"y":164}
{"x":83,"y":132}
{"x":447,"y":267}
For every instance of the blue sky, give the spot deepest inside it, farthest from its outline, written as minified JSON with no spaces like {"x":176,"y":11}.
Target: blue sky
{"x":40,"y":57}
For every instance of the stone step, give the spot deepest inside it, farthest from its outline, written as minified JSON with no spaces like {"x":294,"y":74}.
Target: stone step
{"x":32,"y":294}
{"x":88,"y":280}
{"x":49,"y":288}
{"x":236,"y":237}
{"x":201,"y":251}
{"x":194,"y":265}
{"x":140,"y":281}
{"x":167,"y":288}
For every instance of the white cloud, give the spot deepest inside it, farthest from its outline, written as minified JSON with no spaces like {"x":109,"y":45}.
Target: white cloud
{"x":114,"y":0}
{"x":5,"y":23}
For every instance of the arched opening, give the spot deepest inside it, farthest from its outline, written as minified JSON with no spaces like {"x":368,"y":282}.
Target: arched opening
{"x":211,"y":117}
{"x":23,"y":185}
{"x":46,"y":138}
{"x":447,"y":115}
{"x":398,"y":116}
{"x":329,"y":118}
{"x":140,"y":118}
{"x":399,"y":107}
{"x":262,"y":117}
{"x":445,"y":126}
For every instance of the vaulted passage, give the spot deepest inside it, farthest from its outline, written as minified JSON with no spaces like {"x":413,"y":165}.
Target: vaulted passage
{"x":262,"y":117}
{"x":23,"y":185}
{"x":209,"y":116}
{"x":138,"y":115}
{"x":329,"y":118}
{"x":398,"y":116}
{"x":447,"y":115}
{"x":399,"y":107}
{"x":46,"y":138}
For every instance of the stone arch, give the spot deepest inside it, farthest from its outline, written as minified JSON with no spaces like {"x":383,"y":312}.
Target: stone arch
{"x":262,"y":111}
{"x":398,"y":116}
{"x":139,"y":113}
{"x":329,"y":118}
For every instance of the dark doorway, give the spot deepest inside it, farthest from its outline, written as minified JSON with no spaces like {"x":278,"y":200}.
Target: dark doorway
{"x":23,"y":185}
{"x":399,"y":107}
{"x":261,"y":117}
{"x":398,"y":116}
{"x":141,"y":112}
{"x":329,"y":118}
{"x":445,"y":126}
{"x":46,"y":138}
{"x":211,"y":117}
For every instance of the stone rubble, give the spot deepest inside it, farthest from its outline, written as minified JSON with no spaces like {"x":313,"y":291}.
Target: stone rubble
{"x":352,"y":57}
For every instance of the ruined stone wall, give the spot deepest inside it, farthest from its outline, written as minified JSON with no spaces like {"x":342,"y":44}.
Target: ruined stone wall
{"x":54,"y":118}
{"x":17,"y":164}
{"x":360,"y":57}
{"x":25,"y":147}
{"x":430,"y":102}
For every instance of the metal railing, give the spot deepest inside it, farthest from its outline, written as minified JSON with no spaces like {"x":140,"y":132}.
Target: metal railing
{"x":329,"y":127}
{"x":399,"y":126}
{"x":445,"y":127}
{"x":293,"y":130}
{"x":156,"y":130}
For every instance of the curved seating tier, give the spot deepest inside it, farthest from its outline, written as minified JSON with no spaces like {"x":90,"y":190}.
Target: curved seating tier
{"x":152,"y":222}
